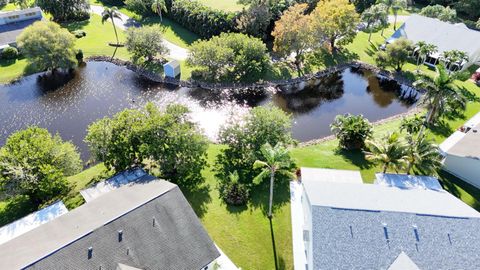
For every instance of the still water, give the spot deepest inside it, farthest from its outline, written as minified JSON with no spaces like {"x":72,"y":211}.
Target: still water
{"x":102,"y":89}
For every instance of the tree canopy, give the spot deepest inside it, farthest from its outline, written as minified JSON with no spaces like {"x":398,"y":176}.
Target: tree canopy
{"x":35,"y":163}
{"x":66,"y":10}
{"x":396,"y":54}
{"x":145,"y":42}
{"x":337,"y":20}
{"x":292,"y":34}
{"x":351,"y":130}
{"x":167,"y":139}
{"x":440,"y":12}
{"x":229,"y":56}
{"x":47,"y":46}
{"x":244,"y":140}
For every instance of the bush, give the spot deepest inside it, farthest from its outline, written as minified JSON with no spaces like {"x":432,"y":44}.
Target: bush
{"x":10,"y":53}
{"x":145,"y":42}
{"x":79,"y":33}
{"x":233,"y":192}
{"x":245,"y":139}
{"x":66,"y":10}
{"x":351,"y":130}
{"x":141,"y":7}
{"x":230,"y":57}
{"x":200,"y":19}
{"x":79,"y":56}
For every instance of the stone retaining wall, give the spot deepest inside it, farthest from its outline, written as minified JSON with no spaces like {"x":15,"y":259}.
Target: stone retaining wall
{"x":285,"y":86}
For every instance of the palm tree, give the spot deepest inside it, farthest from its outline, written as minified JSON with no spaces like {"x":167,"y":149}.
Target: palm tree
{"x":277,"y":160}
{"x":423,"y":50}
{"x":395,"y":6}
{"x":422,"y":155}
{"x":112,"y":14}
{"x":388,"y":152}
{"x":440,"y":94}
{"x":375,"y":16}
{"x":453,"y":57}
{"x":158,"y":6}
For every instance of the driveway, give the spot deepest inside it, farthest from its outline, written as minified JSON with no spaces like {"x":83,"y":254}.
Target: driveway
{"x":176,"y":52}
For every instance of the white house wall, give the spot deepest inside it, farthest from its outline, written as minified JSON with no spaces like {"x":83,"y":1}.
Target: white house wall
{"x":467,"y":169}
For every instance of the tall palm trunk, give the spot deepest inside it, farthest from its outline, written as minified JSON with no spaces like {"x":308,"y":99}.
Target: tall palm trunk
{"x":272,"y":178}
{"x":395,"y":21}
{"x":159,"y":9}
{"x":385,"y":167}
{"x":115,"y":29}
{"x":433,"y":110}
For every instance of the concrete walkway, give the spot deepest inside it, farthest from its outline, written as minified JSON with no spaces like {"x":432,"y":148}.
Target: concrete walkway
{"x":176,"y":52}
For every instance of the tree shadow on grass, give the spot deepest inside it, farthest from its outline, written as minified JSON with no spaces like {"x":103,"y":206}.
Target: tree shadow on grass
{"x":356,"y":157}
{"x":323,"y":57}
{"x":371,"y":50}
{"x":469,"y":95}
{"x":72,"y":26}
{"x":182,"y":33}
{"x":198,"y":198}
{"x":16,"y":208}
{"x":451,"y":184}
{"x":442,"y":128}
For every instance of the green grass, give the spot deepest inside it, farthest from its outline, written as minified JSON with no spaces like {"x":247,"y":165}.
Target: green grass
{"x":172,"y":31}
{"x":225,"y":5}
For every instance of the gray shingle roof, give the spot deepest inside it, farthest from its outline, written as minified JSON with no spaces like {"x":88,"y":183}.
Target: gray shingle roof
{"x":10,"y":32}
{"x":356,"y":239}
{"x":175,"y":240}
{"x":444,"y":35}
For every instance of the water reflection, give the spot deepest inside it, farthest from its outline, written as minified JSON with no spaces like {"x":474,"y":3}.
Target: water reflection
{"x":102,"y":89}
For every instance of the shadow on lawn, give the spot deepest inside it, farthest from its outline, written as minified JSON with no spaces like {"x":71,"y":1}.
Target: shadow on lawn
{"x":16,"y":208}
{"x":198,"y":198}
{"x":451,"y":184}
{"x":76,"y":25}
{"x":356,"y":157}
{"x":442,"y":128}
{"x":325,"y":58}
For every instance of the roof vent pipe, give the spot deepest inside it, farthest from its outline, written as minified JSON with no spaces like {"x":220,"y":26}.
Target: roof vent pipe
{"x":415,"y":231}
{"x":154,"y":222}
{"x":90,"y":253}
{"x":120,"y":235}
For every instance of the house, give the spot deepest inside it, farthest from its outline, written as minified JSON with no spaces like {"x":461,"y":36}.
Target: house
{"x":12,"y":24}
{"x":172,"y":69}
{"x":461,"y":152}
{"x":146,"y":225}
{"x":446,"y":36}
{"x":401,"y":222}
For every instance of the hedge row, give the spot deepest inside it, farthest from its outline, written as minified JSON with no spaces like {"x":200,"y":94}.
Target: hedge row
{"x":200,"y":19}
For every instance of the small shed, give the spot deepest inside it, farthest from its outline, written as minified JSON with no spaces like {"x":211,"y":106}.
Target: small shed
{"x":172,"y":69}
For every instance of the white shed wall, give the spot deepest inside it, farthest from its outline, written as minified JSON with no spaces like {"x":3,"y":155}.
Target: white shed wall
{"x":468,"y":169}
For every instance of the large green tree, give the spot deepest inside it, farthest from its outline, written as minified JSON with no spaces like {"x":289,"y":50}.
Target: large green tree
{"x":274,"y":161}
{"x":145,"y":42}
{"x":66,"y":10}
{"x":441,"y":95}
{"x":168,"y":139}
{"x":47,"y":46}
{"x":396,"y":54}
{"x":35,"y":163}
{"x":231,"y":57}
{"x":337,"y":20}
{"x":245,"y":138}
{"x":254,"y":20}
{"x":292,"y":35}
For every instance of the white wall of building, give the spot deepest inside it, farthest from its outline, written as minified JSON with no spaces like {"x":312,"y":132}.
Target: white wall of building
{"x":20,"y":15}
{"x":467,"y":169}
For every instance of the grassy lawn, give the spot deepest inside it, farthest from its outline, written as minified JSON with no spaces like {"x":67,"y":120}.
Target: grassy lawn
{"x":172,"y":31}
{"x":225,"y":5}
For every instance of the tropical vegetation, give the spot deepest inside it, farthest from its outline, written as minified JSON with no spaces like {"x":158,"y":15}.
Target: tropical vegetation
{"x":47,"y":46}
{"x":66,"y":10}
{"x":351,"y":131}
{"x":145,"y":43}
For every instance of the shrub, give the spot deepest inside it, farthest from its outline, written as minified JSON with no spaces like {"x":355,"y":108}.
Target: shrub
{"x":79,"y":56}
{"x":233,"y":192}
{"x":245,"y":139}
{"x":140,"y":6}
{"x":200,"y":19}
{"x":145,"y":42}
{"x":66,"y":10}
{"x":351,"y":130}
{"x":10,"y":53}
{"x":231,"y":57}
{"x":79,"y":33}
